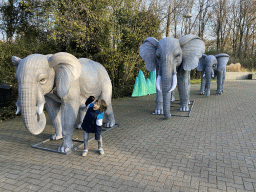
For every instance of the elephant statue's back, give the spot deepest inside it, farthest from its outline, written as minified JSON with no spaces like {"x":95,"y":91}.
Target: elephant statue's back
{"x":93,"y":75}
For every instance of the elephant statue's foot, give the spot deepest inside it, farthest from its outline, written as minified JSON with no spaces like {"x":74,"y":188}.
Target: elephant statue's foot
{"x":109,"y":124}
{"x":56,"y":137}
{"x":201,"y":92}
{"x":184,"y":108}
{"x":219,"y":92}
{"x":79,"y":126}
{"x":65,"y":147}
{"x":110,"y":121}
{"x":158,"y":111}
{"x":64,"y":150}
{"x":67,"y":144}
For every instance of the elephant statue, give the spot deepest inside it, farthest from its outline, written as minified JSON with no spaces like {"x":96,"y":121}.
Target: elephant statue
{"x":61,"y":83}
{"x":173,"y":60}
{"x":212,"y":67}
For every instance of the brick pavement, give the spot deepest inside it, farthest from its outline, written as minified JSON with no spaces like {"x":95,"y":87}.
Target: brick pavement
{"x":212,"y":150}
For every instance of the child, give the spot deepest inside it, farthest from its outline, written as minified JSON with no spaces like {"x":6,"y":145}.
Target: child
{"x":88,"y":101}
{"x":92,"y":123}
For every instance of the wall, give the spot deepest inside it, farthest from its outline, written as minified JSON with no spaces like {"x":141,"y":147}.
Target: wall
{"x":237,"y":75}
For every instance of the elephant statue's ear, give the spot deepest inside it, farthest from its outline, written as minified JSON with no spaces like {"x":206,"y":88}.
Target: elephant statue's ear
{"x":222,"y":59}
{"x":48,"y":56}
{"x":148,"y":53}
{"x":201,"y":63}
{"x":192,"y":49}
{"x":15,"y":61}
{"x":67,"y":70}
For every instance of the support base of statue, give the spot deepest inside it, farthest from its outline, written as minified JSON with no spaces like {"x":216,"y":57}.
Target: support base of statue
{"x":175,"y":109}
{"x":79,"y":142}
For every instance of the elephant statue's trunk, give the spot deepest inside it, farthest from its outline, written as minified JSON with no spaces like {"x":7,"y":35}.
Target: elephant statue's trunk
{"x":166,"y":104}
{"x":169,"y":82}
{"x":32,"y":110}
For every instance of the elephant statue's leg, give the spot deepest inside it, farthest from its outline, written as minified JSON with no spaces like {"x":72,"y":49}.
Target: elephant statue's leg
{"x":107,"y":95}
{"x":159,"y":103}
{"x":69,"y":111}
{"x":219,"y":82}
{"x":173,"y":96}
{"x":184,"y":88}
{"x":189,"y":87}
{"x":208,"y":77}
{"x":223,"y":80}
{"x":82,"y":112}
{"x":159,"y":97}
{"x":203,"y":83}
{"x":54,"y":112}
{"x":110,"y":119}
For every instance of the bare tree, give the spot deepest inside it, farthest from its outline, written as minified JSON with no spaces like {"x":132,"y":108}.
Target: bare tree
{"x":220,"y":10}
{"x":202,"y":8}
{"x":9,"y":18}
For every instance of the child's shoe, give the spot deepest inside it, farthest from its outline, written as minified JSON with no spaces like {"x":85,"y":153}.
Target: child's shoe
{"x":101,"y":151}
{"x":85,"y":152}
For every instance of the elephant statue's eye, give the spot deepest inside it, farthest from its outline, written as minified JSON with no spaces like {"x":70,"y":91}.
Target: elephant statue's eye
{"x":42,"y":80}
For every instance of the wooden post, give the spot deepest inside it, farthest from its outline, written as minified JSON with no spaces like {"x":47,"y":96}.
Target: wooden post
{"x":168,"y":22}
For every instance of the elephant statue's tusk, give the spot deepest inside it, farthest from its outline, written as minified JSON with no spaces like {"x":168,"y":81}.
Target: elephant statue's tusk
{"x":18,"y":109}
{"x":174,"y":82}
{"x":159,"y":86}
{"x":158,"y":83}
{"x":40,"y":108}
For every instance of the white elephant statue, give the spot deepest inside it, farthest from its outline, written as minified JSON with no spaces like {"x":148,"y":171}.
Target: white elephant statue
{"x":173,"y":60}
{"x":212,"y":66}
{"x":61,"y":83}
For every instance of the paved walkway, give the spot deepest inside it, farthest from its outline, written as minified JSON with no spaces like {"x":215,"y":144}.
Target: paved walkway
{"x":212,"y":150}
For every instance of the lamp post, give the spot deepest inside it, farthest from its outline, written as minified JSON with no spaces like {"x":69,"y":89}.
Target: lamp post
{"x":187,"y":16}
{"x":168,"y":21}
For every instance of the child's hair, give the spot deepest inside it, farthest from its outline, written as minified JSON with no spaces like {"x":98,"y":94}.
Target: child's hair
{"x":89,"y":100}
{"x":102,"y":104}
